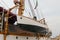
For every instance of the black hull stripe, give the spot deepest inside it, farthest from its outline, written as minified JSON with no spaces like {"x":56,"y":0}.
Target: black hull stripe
{"x":33,"y":28}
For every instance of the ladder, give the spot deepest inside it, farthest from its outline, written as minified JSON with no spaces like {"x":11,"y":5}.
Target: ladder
{"x":1,"y":21}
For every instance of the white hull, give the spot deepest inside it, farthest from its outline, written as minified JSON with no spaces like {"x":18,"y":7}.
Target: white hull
{"x":26,"y":20}
{"x":10,"y":37}
{"x":29,"y":21}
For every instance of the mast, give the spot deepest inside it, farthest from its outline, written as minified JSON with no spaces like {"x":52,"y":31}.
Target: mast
{"x":21,"y":8}
{"x":6,"y":26}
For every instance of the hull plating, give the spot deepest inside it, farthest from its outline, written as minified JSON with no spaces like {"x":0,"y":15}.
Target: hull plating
{"x":10,"y":37}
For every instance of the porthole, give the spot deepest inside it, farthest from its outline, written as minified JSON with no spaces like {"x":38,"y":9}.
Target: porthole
{"x":16,"y":37}
{"x":20,"y":17}
{"x":26,"y":37}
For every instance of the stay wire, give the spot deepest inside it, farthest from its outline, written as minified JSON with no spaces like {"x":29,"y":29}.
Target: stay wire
{"x":36,"y":8}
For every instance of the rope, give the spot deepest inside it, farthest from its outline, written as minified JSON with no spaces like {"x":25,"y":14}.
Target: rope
{"x":36,"y":4}
{"x":15,"y":10}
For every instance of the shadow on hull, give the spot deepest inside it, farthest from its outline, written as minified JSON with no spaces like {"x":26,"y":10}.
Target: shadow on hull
{"x":33,"y":28}
{"x":25,"y":28}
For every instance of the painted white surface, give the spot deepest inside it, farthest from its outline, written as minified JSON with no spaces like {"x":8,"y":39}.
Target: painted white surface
{"x":10,"y":37}
{"x":32,"y":38}
{"x":25,"y":20}
{"x":1,"y":37}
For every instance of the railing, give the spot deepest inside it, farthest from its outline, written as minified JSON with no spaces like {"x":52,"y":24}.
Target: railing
{"x":1,"y":21}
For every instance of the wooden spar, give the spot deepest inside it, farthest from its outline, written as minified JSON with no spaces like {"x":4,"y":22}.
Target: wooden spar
{"x":13,"y":7}
{"x":21,"y":8}
{"x":6,"y":26}
{"x":4,"y":37}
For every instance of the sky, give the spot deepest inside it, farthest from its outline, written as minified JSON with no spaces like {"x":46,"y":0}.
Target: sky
{"x":49,"y":9}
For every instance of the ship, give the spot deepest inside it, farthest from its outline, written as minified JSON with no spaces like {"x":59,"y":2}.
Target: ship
{"x":26,"y":28}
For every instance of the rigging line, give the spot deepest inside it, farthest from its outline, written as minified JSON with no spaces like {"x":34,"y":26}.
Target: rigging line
{"x":31,"y":8}
{"x":36,"y":5}
{"x":37,"y":9}
{"x":34,"y":2}
{"x":37,"y":13}
{"x":14,"y":11}
{"x":5,"y":4}
{"x":26,"y":11}
{"x":41,"y":13}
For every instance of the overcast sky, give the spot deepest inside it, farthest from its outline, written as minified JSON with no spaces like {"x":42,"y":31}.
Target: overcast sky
{"x":50,"y":10}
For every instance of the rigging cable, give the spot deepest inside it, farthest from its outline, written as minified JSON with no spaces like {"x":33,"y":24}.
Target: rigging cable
{"x":14,"y":10}
{"x":31,"y":8}
{"x":36,"y":4}
{"x":37,"y":9}
{"x":41,"y":14}
{"x":27,"y":12}
{"x":27,"y":9}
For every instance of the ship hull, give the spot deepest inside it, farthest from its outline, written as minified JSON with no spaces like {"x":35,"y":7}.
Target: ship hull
{"x":11,"y":37}
{"x":33,"y":28}
{"x":31,"y":25}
